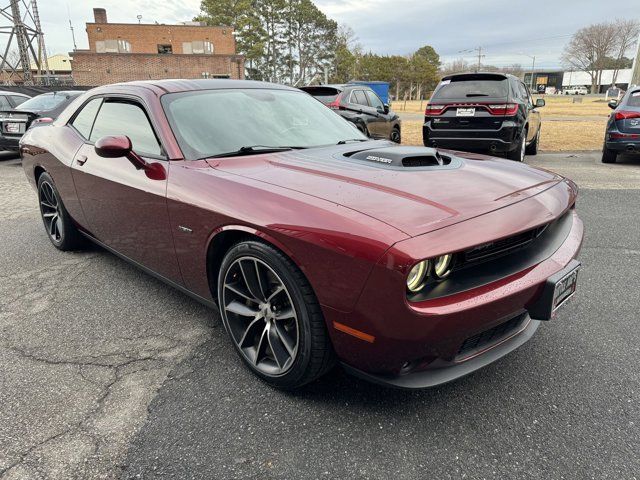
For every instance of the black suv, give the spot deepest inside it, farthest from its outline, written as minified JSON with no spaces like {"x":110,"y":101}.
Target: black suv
{"x":483,"y":112}
{"x":360,"y":105}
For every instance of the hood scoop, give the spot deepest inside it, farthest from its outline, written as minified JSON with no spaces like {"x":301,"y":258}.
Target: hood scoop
{"x":404,"y":158}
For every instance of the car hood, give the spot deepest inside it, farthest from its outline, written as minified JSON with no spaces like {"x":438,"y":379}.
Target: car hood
{"x":413,"y":200}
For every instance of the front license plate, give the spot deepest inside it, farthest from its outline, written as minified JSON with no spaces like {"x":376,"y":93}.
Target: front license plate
{"x":564,"y":289}
{"x":465,"y":112}
{"x":14,"y":127}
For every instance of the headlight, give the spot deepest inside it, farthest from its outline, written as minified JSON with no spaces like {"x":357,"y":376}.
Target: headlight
{"x":442,"y":266}
{"x":417,"y":275}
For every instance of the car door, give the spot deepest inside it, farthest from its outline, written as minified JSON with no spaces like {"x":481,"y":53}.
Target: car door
{"x":533,"y":113}
{"x":358,"y":101}
{"x":124,"y":208}
{"x":383,"y":120}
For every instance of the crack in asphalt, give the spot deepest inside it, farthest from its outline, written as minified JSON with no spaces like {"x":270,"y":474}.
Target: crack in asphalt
{"x":80,"y":425}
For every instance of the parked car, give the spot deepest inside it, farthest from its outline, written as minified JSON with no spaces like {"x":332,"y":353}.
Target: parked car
{"x":360,"y":105}
{"x":411,"y":267}
{"x":10,"y":100}
{"x":483,"y":112}
{"x":623,"y":127}
{"x":42,"y":108}
{"x":575,"y":90}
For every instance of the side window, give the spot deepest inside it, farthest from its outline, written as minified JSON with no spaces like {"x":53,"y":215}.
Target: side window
{"x":4,"y":103}
{"x":83,"y":122}
{"x":121,"y":117}
{"x":359,"y":98}
{"x":18,"y":99}
{"x":374,"y":100}
{"x":525,"y":93}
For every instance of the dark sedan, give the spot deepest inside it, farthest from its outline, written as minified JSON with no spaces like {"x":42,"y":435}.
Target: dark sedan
{"x":40,"y":109}
{"x":361,"y":106}
{"x":623,"y":127}
{"x":409,"y":266}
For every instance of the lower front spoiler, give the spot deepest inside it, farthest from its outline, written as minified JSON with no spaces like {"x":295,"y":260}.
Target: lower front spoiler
{"x":439,"y":376}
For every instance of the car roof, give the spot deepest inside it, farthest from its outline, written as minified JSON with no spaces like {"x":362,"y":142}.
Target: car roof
{"x":479,"y":76}
{"x":183,"y":85}
{"x":9,"y":92}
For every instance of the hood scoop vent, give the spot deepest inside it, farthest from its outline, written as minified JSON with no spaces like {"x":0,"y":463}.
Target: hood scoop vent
{"x":404,"y":158}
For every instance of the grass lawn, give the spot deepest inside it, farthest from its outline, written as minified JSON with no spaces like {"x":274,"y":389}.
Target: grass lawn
{"x":564,"y":124}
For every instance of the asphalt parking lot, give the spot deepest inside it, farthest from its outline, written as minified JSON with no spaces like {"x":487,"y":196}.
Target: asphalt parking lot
{"x":107,"y":373}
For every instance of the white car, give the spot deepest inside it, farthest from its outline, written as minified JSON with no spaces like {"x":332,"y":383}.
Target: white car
{"x":577,"y":90}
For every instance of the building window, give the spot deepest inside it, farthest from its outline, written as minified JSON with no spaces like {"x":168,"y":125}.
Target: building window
{"x":198,"y":47}
{"x":165,"y":49}
{"x":113,"y":46}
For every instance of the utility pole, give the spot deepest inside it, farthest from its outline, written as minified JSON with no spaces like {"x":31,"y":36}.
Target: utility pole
{"x":73,"y":35}
{"x":480,"y":55}
{"x":635,"y":71}
{"x":533,"y":70}
{"x":24,"y":27}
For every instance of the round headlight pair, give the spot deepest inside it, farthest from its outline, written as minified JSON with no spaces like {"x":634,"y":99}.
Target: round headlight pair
{"x":420,"y":271}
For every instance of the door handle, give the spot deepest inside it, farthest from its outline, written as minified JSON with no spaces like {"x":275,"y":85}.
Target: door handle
{"x":81,"y":160}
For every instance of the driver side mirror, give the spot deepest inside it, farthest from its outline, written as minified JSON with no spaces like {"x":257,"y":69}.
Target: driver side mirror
{"x":118,"y":146}
{"x":540,"y":103}
{"x":386,"y":108}
{"x":613,"y":104}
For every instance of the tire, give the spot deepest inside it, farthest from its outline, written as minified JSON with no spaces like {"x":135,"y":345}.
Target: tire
{"x":395,"y":135}
{"x":273,"y":319}
{"x":609,"y":156}
{"x":517,"y":154}
{"x":363,"y":128}
{"x":61,"y":230}
{"x":532,"y":148}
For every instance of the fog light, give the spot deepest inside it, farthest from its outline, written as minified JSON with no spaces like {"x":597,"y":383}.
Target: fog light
{"x":442,"y":267}
{"x":417,"y":275}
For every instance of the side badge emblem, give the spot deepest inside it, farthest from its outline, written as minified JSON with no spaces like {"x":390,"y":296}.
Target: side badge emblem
{"x":184,"y":229}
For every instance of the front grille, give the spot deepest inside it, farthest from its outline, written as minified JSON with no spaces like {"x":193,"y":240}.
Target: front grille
{"x":489,"y":251}
{"x":485,"y":339}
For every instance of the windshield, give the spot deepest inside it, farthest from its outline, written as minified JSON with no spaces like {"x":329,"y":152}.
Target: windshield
{"x":471,"y":88}
{"x":46,"y":101}
{"x":214,"y":122}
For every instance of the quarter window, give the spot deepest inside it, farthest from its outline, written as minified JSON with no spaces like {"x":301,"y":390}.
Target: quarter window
{"x":83,"y":122}
{"x":122,"y":117}
{"x":18,"y":99}
{"x":4,"y":103}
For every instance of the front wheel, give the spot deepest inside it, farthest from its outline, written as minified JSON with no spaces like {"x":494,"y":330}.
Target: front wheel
{"x":518,"y":153}
{"x":532,"y":148}
{"x":395,"y":135}
{"x":272,"y":316}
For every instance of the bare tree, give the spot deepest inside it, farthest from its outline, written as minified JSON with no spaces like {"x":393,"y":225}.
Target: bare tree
{"x":456,"y":66}
{"x":592,"y":47}
{"x":628,"y":31}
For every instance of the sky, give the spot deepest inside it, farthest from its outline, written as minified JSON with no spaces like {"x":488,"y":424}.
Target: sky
{"x":509,"y":31}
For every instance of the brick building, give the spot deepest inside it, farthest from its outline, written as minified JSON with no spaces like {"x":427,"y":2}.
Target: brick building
{"x":120,"y":52}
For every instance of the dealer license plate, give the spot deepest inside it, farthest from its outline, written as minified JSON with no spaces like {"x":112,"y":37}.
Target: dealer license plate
{"x":564,"y":289}
{"x":465,"y":112}
{"x":14,"y":127}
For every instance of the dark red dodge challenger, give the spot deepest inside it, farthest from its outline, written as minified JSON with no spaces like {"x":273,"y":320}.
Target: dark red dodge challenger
{"x":410,"y":266}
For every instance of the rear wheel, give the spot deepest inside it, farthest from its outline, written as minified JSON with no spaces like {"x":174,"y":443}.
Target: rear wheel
{"x":609,"y":156}
{"x":272,"y":316}
{"x":59,"y":226}
{"x":518,"y":153}
{"x":395,"y":135}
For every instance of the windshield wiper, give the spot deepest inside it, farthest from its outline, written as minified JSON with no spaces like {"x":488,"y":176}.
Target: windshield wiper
{"x":344,"y":142}
{"x":252,"y":149}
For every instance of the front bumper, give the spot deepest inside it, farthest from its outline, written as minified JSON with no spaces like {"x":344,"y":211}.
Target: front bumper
{"x":423,"y":344}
